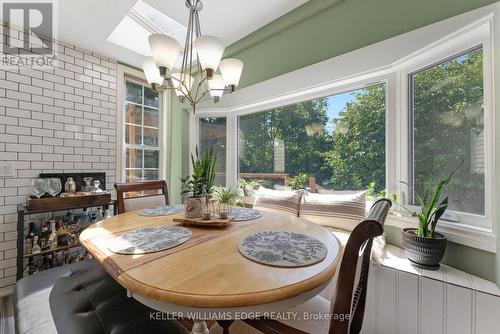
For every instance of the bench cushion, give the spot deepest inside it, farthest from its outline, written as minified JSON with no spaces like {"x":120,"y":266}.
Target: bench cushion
{"x":281,"y":201}
{"x":81,"y":298}
{"x":343,"y":211}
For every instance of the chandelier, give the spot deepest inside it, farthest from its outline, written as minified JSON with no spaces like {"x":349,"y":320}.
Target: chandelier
{"x":201,"y":58}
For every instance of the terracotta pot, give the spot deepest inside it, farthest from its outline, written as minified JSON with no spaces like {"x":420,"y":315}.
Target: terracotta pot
{"x":422,"y":251}
{"x":193,"y":207}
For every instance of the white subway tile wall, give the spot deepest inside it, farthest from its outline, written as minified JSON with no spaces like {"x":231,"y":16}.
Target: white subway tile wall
{"x":61,"y":119}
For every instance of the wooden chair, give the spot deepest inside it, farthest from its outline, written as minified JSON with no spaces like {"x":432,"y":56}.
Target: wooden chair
{"x":140,"y":195}
{"x":350,"y":295}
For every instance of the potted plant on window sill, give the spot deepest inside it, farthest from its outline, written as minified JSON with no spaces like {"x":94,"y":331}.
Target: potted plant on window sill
{"x":248,"y":187}
{"x":423,"y":245}
{"x":200,"y":184}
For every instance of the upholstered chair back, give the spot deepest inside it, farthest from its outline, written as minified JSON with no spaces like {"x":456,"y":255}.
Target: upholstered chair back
{"x":140,"y":195}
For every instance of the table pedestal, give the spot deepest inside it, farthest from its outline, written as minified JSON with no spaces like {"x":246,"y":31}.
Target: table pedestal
{"x":199,"y":327}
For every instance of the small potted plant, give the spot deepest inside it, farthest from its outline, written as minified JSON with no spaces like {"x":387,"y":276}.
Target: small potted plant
{"x":200,"y":184}
{"x":226,"y":199}
{"x":423,"y":245}
{"x":248,"y":186}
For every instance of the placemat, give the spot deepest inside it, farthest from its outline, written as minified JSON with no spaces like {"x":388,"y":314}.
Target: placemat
{"x":282,"y":249}
{"x":164,"y":210}
{"x":149,"y":240}
{"x":243,"y":214}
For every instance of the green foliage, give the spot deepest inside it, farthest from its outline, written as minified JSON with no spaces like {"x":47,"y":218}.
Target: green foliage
{"x":259,"y":131}
{"x":201,"y":182}
{"x":351,"y":157}
{"x":448,"y":109}
{"x":254,"y":184}
{"x":227,"y":196}
{"x":357,"y":156}
{"x":299,"y":181}
{"x":430,"y":210}
{"x":371,"y":192}
{"x":447,"y":112}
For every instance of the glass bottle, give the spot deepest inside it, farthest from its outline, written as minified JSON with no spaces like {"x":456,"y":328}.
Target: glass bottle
{"x":99,"y":214}
{"x":52,"y":241}
{"x":107,"y":212}
{"x":86,"y":217}
{"x":70,"y":185}
{"x":36,"y":249}
{"x":28,"y":240}
{"x":87,"y":186}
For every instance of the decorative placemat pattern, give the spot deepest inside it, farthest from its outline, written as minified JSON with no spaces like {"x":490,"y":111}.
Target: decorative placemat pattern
{"x":242,"y":214}
{"x":282,"y":249}
{"x":149,"y":240}
{"x":164,"y":210}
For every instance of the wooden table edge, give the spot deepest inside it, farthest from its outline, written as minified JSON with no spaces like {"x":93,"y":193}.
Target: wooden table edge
{"x":220,"y":301}
{"x":234,"y":300}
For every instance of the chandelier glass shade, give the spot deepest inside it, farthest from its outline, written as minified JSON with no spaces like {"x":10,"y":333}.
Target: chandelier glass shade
{"x":201,"y":58}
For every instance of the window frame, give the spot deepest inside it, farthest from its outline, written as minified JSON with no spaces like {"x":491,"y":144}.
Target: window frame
{"x":232,"y":122}
{"x":481,"y":233}
{"x":198,"y":122}
{"x":142,"y":146}
{"x":124,"y":74}
{"x":436,"y":54}
{"x":473,"y":219}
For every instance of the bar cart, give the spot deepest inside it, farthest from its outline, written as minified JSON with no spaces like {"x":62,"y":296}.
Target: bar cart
{"x":53,"y":240}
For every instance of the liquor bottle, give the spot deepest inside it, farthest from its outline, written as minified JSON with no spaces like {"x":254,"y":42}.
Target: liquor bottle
{"x":107,"y":212}
{"x":28,"y":240}
{"x":70,"y":185}
{"x":99,"y":215}
{"x":36,"y":249}
{"x":52,"y":240}
{"x":86,"y":216}
{"x":70,"y":217}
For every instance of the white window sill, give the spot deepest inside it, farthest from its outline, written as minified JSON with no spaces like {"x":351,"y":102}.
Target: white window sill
{"x":395,"y":258}
{"x":465,"y":235}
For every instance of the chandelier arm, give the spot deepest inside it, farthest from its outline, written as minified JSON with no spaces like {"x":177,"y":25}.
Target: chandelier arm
{"x":192,"y":32}
{"x":202,"y":96}
{"x":186,"y":47}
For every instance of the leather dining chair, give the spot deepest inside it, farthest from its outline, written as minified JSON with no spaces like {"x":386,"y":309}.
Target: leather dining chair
{"x":348,"y":303}
{"x":140,"y":195}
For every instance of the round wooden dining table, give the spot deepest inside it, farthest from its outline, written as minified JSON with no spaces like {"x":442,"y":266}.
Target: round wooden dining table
{"x":206,"y":276}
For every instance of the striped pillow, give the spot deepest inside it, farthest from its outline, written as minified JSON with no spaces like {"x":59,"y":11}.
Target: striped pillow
{"x":342,"y":211}
{"x":281,"y":201}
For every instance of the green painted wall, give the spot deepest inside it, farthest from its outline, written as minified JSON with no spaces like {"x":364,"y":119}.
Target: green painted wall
{"x":323,"y":29}
{"x":178,"y":146}
{"x":339,"y":26}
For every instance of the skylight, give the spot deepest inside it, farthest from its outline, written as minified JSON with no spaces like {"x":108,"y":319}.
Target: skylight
{"x":141,"y":21}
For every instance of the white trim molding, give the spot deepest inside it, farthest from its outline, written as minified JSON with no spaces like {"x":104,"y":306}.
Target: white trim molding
{"x":128,"y":73}
{"x":389,"y":62}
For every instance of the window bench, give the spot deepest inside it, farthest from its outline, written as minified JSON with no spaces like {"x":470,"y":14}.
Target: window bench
{"x":405,"y":299}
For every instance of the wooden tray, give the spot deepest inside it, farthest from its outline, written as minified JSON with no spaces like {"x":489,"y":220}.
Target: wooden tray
{"x":61,"y":203}
{"x":220,"y":223}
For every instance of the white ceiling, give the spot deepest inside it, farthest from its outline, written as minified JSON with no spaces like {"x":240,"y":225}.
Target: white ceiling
{"x":88,"y":23}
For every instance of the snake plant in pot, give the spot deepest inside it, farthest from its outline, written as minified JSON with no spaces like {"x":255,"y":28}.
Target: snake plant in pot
{"x":199,"y":186}
{"x":424,"y":246}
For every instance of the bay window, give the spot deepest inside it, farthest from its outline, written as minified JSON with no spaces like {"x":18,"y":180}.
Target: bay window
{"x":391,"y":130}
